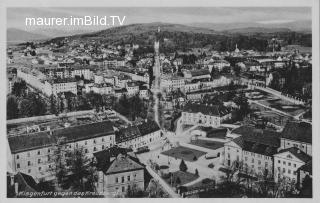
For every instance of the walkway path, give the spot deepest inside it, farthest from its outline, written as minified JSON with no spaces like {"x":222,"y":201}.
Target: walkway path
{"x":165,"y":185}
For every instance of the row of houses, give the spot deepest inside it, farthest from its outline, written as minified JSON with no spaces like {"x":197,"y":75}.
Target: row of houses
{"x":281,"y":155}
{"x":33,"y":153}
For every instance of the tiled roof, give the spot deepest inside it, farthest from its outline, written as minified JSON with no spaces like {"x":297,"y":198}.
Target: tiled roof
{"x":71,"y":134}
{"x":298,"y":131}
{"x":212,"y":110}
{"x":123,"y":163}
{"x":297,"y":153}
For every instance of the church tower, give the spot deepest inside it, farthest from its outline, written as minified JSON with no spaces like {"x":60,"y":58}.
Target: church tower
{"x":156,"y":67}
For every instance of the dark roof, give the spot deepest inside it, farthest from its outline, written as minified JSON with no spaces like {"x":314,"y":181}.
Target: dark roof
{"x":128,"y":133}
{"x":44,"y":139}
{"x":103,"y":157}
{"x":25,"y":182}
{"x":297,"y":153}
{"x":30,"y":142}
{"x":307,"y":167}
{"x":298,"y":131}
{"x":87,"y":131}
{"x":214,"y":132}
{"x":148,"y":127}
{"x":132,"y":132}
{"x":259,"y":141}
{"x":200,"y":72}
{"x":123,"y":163}
{"x":212,"y":110}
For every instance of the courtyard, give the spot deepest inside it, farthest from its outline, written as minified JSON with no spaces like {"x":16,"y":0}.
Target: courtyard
{"x":184,"y":153}
{"x":207,"y":144}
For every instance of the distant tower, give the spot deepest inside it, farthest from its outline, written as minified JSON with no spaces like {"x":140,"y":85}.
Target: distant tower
{"x":156,"y":67}
{"x":236,"y":50}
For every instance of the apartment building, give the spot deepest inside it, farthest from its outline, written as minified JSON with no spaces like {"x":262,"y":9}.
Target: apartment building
{"x":32,"y":153}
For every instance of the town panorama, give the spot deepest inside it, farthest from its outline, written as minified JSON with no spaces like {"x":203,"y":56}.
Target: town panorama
{"x":160,"y":110}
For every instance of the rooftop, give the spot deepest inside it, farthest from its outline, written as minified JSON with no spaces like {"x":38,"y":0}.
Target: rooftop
{"x":123,"y":163}
{"x":48,"y":138}
{"x":297,"y":153}
{"x":298,"y":131}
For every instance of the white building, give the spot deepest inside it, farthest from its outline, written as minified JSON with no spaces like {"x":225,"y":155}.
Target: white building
{"x":205,"y":115}
{"x":252,"y":150}
{"x":33,"y":154}
{"x":288,"y":161}
{"x":297,"y":134}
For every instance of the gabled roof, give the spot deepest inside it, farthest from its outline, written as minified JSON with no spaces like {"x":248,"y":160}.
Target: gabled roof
{"x":123,"y":163}
{"x":297,"y":153}
{"x":298,"y":131}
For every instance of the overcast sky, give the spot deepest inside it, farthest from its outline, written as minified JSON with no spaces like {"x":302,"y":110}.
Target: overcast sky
{"x":16,"y":16}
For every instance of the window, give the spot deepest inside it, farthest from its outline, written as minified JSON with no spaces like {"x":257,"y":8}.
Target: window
{"x":39,"y":161}
{"x":48,"y":150}
{"x":86,"y":150}
{"x":246,"y":158}
{"x":94,"y":149}
{"x":259,"y":162}
{"x":252,"y":160}
{"x":29,"y":163}
{"x":122,"y":179}
{"x":29,"y":171}
{"x":102,"y":147}
{"x":123,"y":189}
{"x":94,"y":141}
{"x":18,"y":165}
{"x":295,"y":165}
{"x":284,"y":163}
{"x":128,"y":178}
{"x":39,"y":168}
{"x":279,"y":161}
{"x":38,"y":152}
{"x":102,"y":139}
{"x":289,"y":171}
{"x":85,"y":143}
{"x":289,"y":164}
{"x":294,"y":172}
{"x":283,"y":170}
{"x":117,"y":180}
{"x":17,"y":156}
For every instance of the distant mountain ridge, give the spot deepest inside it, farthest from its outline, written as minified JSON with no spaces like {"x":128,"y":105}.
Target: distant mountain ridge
{"x":15,"y":35}
{"x":297,"y":26}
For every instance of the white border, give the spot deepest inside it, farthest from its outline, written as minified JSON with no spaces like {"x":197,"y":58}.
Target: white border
{"x":167,"y":3}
